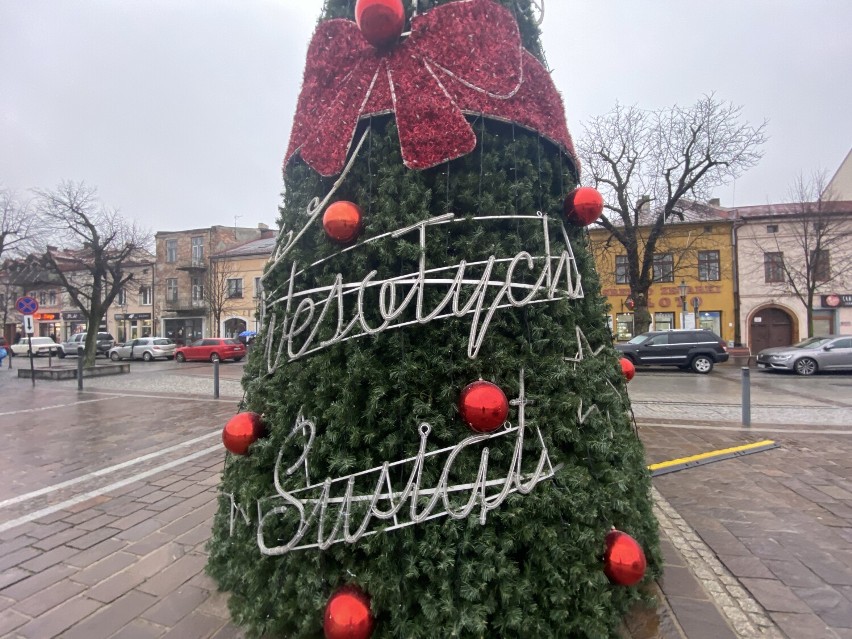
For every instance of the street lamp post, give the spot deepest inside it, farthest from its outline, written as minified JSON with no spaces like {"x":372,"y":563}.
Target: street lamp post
{"x":683,"y":290}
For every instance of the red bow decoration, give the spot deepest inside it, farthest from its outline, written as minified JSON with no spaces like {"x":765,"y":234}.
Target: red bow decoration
{"x":461,"y":57}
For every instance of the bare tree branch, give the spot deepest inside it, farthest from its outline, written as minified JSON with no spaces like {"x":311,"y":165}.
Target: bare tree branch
{"x":89,"y":248}
{"x":650,"y":164}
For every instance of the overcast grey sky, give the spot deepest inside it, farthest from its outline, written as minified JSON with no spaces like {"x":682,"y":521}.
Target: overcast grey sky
{"x":179,"y":111}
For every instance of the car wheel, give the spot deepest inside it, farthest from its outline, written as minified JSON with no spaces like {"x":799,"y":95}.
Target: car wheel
{"x":61,"y":354}
{"x":147,"y":356}
{"x":215,"y":357}
{"x":806,"y":366}
{"x":238,"y":359}
{"x":114,"y":357}
{"x":180,"y":357}
{"x":702,"y":364}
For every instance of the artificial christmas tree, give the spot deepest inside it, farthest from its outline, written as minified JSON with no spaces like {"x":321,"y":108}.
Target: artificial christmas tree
{"x":446,"y":439}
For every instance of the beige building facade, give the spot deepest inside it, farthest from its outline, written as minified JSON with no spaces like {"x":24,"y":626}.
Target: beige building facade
{"x":183,"y":277}
{"x":771,"y":244}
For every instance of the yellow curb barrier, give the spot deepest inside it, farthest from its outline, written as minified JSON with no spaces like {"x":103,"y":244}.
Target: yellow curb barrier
{"x":683,"y":463}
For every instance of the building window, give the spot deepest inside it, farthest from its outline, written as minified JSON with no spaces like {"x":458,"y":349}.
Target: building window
{"x":771,"y":228}
{"x":121,"y":298}
{"x":42,"y":297}
{"x":198,"y":250}
{"x":664,"y":267}
{"x":51,"y":298}
{"x":821,"y":265}
{"x":171,"y":289}
{"x":171,"y":251}
{"x":773,"y":267}
{"x":622,"y":275}
{"x":145,"y":296}
{"x":664,"y":321}
{"x":710,"y":321}
{"x":623,"y":326}
{"x":258,"y":288}
{"x":197,"y":289}
{"x":235,"y":288}
{"x":708,"y":266}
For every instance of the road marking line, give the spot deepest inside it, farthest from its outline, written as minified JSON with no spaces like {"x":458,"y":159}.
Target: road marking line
{"x":105,"y":471}
{"x":747,"y":429}
{"x":705,"y":458}
{"x":44,"y":512}
{"x":33,"y":410}
{"x":182,"y":398}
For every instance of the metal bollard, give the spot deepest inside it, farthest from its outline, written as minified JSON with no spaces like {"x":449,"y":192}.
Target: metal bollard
{"x":216,"y":379}
{"x":746,"y":396}
{"x":79,"y":368}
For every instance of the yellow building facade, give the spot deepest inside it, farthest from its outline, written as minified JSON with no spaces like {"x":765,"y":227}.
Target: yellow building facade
{"x":241,"y":269}
{"x":695,"y":258}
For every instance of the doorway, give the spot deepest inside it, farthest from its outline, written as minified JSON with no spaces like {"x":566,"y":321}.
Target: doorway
{"x":770,"y":327}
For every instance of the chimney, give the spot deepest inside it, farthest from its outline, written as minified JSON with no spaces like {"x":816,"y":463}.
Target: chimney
{"x":715,"y":202}
{"x":265,"y":231}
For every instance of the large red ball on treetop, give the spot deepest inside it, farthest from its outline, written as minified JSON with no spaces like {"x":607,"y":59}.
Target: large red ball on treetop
{"x":583,"y":206}
{"x":483,"y":406}
{"x":624,"y":560}
{"x":241,"y":431}
{"x":348,"y":615}
{"x":343,"y":221}
{"x":381,"y":21}
{"x":627,"y":368}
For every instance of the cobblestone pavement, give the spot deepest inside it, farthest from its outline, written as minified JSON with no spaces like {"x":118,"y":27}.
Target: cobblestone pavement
{"x":768,"y":535}
{"x":106,"y":498}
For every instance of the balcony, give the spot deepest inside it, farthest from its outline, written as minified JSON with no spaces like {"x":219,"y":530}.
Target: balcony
{"x":192,"y":266}
{"x":184,"y":303}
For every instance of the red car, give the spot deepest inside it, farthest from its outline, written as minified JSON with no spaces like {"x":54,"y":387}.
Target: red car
{"x":211,"y":349}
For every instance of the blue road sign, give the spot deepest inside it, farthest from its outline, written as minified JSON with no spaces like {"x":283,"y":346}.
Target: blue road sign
{"x":26,"y":305}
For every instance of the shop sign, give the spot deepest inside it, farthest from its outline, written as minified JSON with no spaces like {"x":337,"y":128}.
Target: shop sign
{"x":132,"y":316}
{"x":835,"y":300}
{"x":73,"y":315}
{"x":47,"y":317}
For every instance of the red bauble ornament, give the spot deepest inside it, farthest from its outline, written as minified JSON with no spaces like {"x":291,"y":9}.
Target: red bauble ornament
{"x":381,"y":21}
{"x":241,"y":431}
{"x":624,"y":560}
{"x":583,"y":206}
{"x":483,"y":406}
{"x":343,"y":221}
{"x":347,"y":615}
{"x":627,"y":368}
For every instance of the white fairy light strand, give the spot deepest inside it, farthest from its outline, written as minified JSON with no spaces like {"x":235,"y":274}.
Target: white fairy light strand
{"x":314,"y":209}
{"x":313,"y":511}
{"x":305,"y":320}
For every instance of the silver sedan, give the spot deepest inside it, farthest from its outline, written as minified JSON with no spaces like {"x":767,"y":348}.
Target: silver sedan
{"x":832,"y":353}
{"x":147,"y":348}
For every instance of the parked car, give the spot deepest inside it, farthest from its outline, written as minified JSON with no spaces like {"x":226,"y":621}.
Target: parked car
{"x":41,"y":346}
{"x":832,"y":353}
{"x":104,"y":343}
{"x":697,"y":349}
{"x":146,"y":348}
{"x":211,"y":349}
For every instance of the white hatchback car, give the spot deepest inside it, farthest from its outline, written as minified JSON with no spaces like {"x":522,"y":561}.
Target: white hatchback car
{"x":41,"y":346}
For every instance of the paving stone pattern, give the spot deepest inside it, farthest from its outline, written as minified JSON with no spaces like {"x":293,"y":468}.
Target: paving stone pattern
{"x":757,"y":546}
{"x":137,"y":574}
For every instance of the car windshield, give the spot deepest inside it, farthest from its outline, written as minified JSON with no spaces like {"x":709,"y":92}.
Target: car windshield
{"x":639,"y":339}
{"x":812,"y":342}
{"x":232,"y":341}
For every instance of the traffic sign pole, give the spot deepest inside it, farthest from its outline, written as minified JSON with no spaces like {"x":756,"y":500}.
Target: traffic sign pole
{"x":27,"y":305}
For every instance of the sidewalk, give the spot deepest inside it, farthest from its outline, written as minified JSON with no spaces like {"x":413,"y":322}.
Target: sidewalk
{"x":757,"y":546}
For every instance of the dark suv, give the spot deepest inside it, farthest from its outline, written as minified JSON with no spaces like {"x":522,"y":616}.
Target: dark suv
{"x":685,"y":348}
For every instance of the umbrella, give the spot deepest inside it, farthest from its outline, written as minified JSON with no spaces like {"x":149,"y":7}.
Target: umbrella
{"x":248,"y":334}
